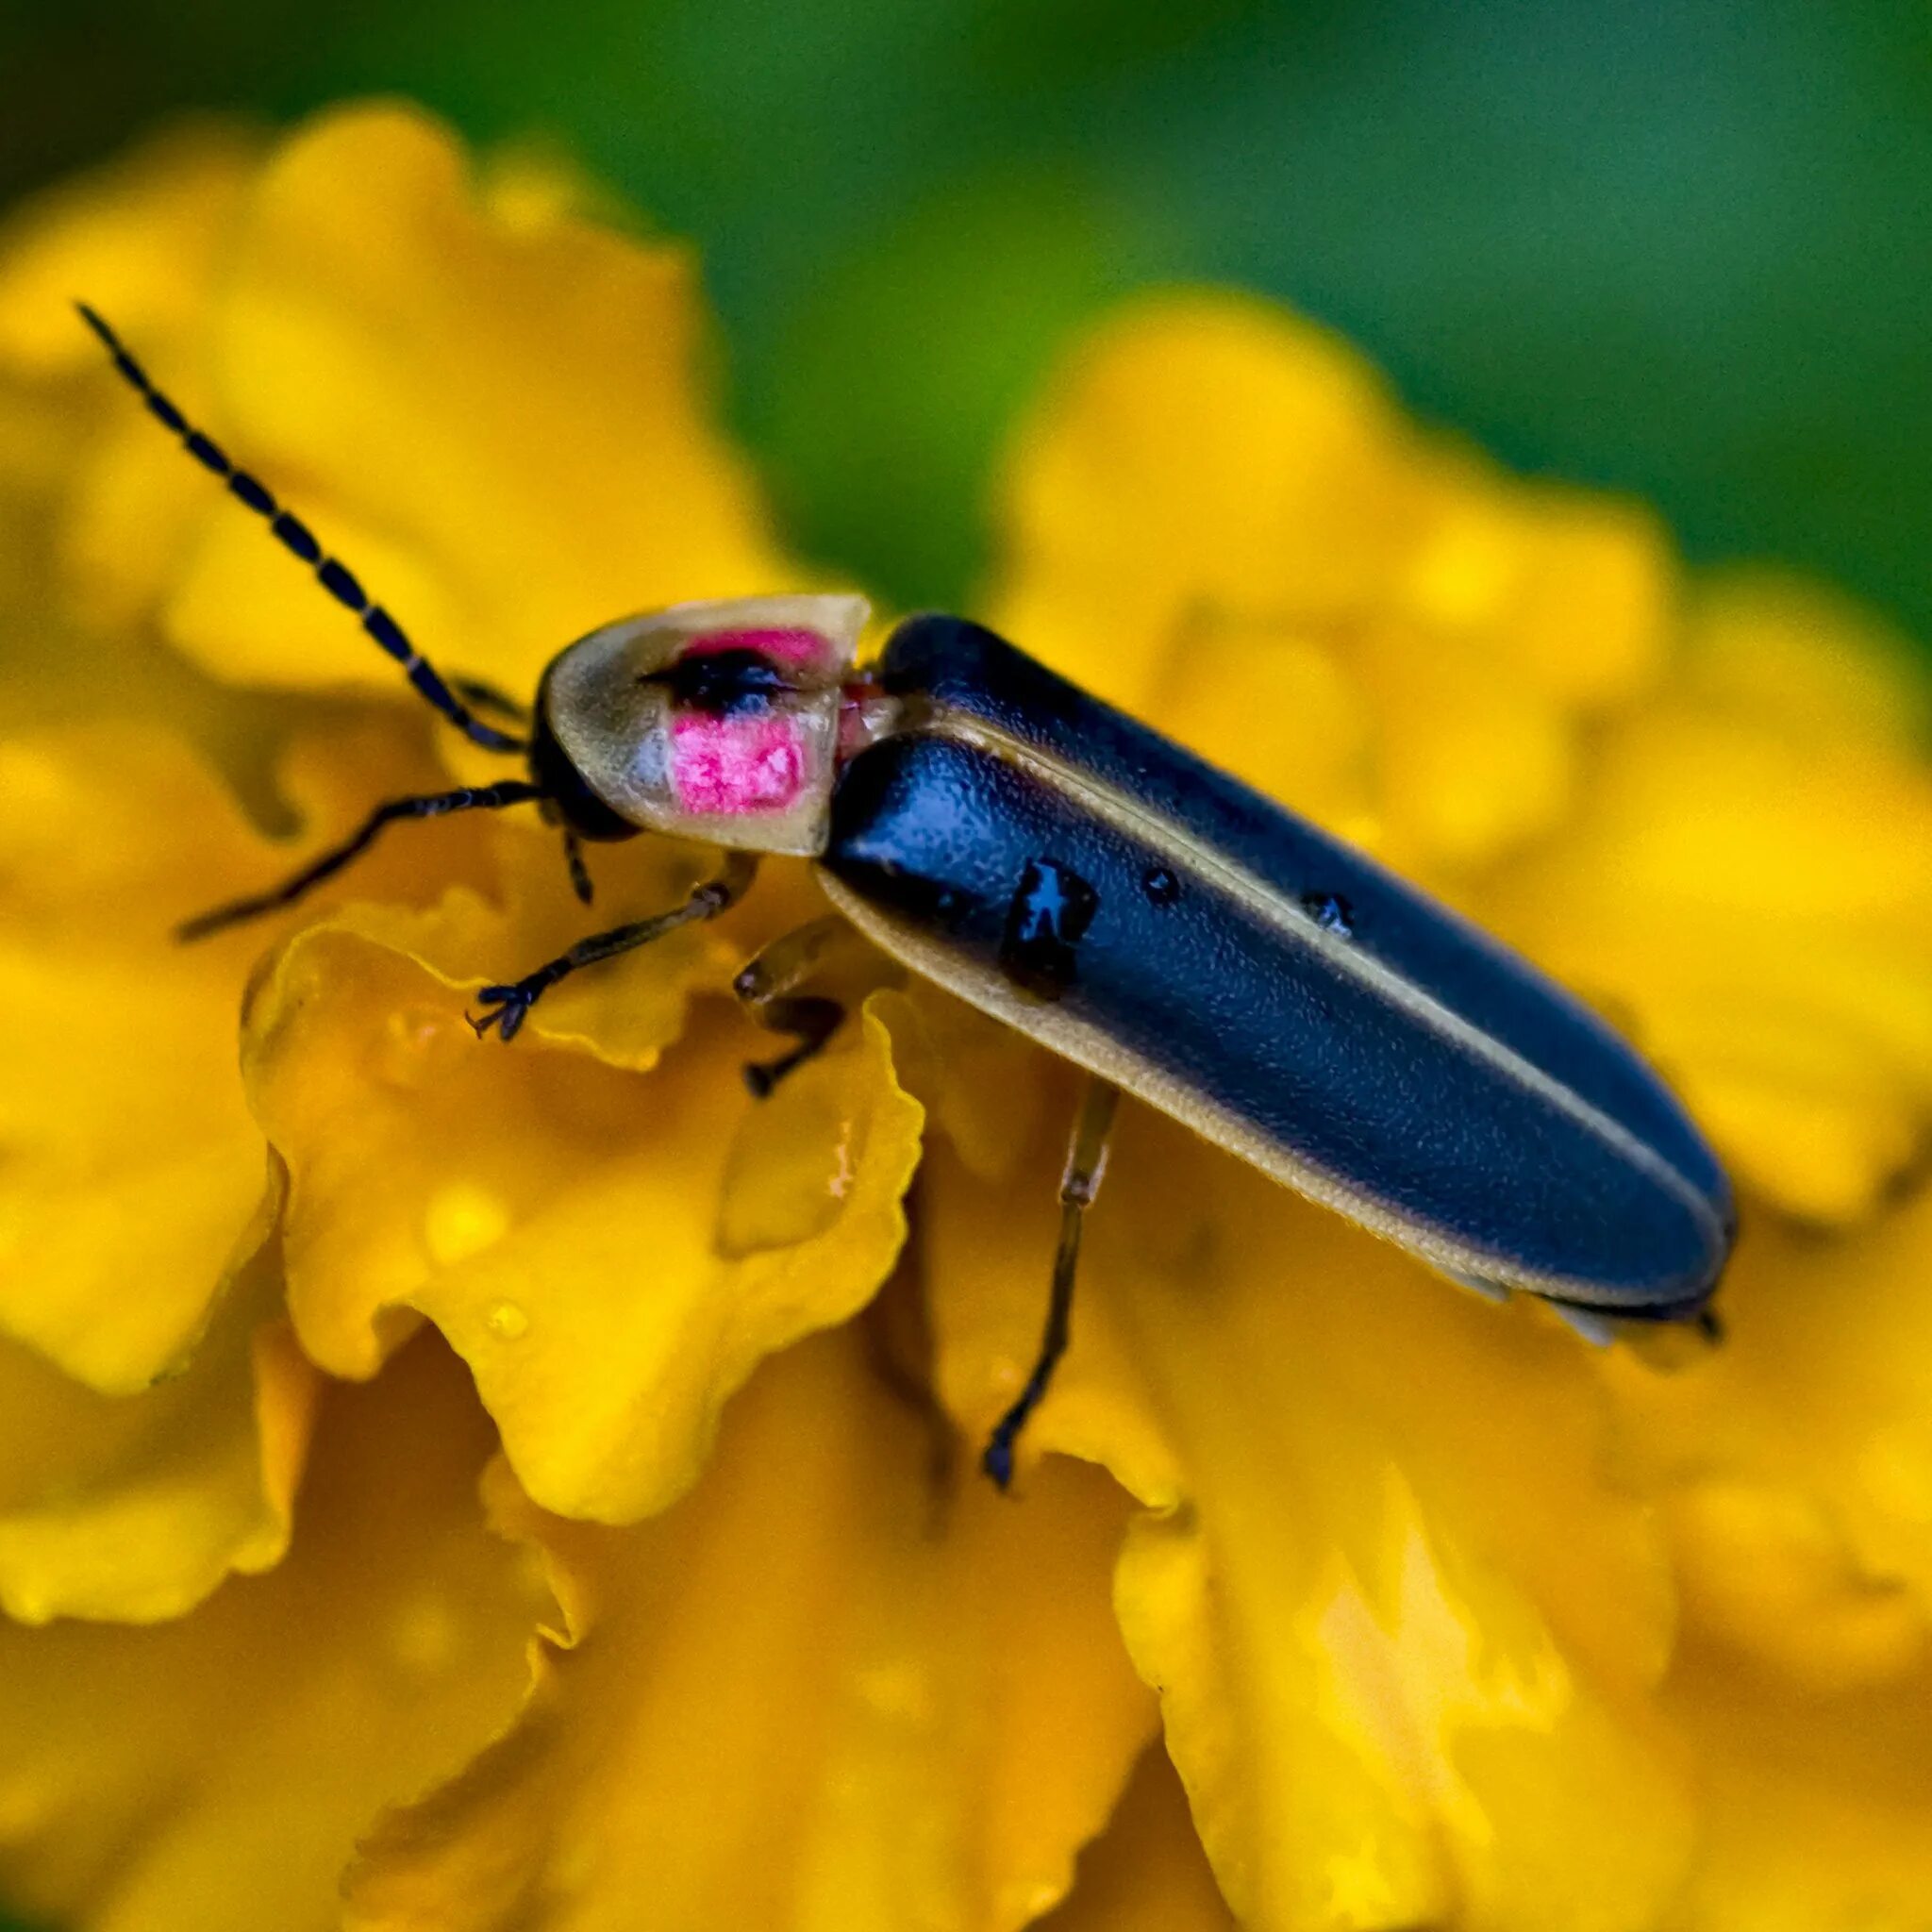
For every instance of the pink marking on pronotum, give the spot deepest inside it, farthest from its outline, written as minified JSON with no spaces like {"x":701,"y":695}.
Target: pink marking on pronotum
{"x":728,"y":767}
{"x":782,"y":645}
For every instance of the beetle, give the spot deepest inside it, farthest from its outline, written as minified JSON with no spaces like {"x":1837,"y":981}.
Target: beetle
{"x":1071,"y":873}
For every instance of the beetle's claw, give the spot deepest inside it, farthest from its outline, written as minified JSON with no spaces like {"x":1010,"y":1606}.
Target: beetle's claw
{"x":996,"y":1460}
{"x":513,"y":1003}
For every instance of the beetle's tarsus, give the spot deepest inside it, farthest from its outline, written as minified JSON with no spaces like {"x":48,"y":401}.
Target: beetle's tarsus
{"x":814,"y":1021}
{"x":761,"y":1077}
{"x":996,"y":1459}
{"x":512,"y":1005}
{"x":514,"y":999}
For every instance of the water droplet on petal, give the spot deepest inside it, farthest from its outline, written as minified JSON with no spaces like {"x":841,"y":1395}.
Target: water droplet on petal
{"x":1020,"y":1901}
{"x":507,"y":1321}
{"x":423,"y":1637}
{"x":900,"y":1689}
{"x":417,"y":1045}
{"x":462,"y":1219}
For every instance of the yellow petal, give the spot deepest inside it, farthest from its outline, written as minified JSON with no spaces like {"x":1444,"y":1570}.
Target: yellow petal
{"x":508,"y":450}
{"x":1145,"y":1872}
{"x":1815,"y":1811}
{"x":133,"y":1168}
{"x":410,"y":1143}
{"x":1571,"y":592}
{"x":1470,"y":762}
{"x":1796,"y":1462}
{"x":611,"y":1254}
{"x":981,"y":1083}
{"x":137,"y":238}
{"x":1216,"y":518}
{"x":1752,"y":898}
{"x":141,"y":240}
{"x":1786,"y":651}
{"x":1401,"y":1677}
{"x":133,"y":1507}
{"x":831,"y":1689}
{"x":1316,"y":749}
{"x":607,"y":1341}
{"x":213,"y":1775}
{"x":1200,"y":450}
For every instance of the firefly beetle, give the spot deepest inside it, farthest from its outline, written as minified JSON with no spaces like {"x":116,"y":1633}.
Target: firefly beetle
{"x":1074,"y":874}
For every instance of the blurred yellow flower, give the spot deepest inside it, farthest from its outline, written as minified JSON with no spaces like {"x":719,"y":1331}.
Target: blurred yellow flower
{"x":652,"y":1586}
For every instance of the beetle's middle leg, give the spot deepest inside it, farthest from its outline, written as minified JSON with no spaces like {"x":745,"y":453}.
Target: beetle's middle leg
{"x":765,"y":987}
{"x":579,"y":872}
{"x":1086,"y":1166}
{"x":511,"y":1004}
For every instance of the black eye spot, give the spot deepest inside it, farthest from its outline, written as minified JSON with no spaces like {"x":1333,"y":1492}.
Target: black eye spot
{"x":721,"y":684}
{"x":1331,"y":913}
{"x":1046,"y":920}
{"x":1161,"y":886}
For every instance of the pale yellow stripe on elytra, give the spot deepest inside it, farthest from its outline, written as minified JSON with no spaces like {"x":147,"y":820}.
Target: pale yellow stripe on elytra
{"x":1098,"y":1052}
{"x":1271,"y":906}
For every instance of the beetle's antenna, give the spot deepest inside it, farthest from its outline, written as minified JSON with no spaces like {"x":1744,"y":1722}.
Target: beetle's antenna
{"x":295,"y":537}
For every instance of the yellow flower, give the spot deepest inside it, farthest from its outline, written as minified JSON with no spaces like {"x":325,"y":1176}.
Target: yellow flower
{"x":655,"y":1586}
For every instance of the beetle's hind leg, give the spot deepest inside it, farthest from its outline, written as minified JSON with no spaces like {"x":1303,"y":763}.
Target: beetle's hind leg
{"x":510,"y":1004}
{"x":1086,"y":1166}
{"x":765,"y":987}
{"x":433,"y":805}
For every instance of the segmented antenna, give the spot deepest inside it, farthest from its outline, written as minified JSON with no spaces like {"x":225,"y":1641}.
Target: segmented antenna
{"x":295,"y":537}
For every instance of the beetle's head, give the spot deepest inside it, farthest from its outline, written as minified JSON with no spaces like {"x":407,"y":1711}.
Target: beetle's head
{"x":717,"y":721}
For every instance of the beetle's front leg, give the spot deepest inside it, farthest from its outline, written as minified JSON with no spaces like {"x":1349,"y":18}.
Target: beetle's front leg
{"x":1079,"y":1183}
{"x":433,"y":805}
{"x":765,"y":987}
{"x":481,"y":696}
{"x":511,"y":1003}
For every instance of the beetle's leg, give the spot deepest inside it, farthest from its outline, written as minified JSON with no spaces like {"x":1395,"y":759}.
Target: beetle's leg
{"x":579,"y":872}
{"x":1086,"y":1165}
{"x":481,"y":696}
{"x":765,"y":987}
{"x":511,"y":1003}
{"x":433,"y":806}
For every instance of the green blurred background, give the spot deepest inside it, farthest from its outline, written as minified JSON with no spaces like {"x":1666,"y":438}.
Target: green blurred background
{"x":1682,"y":248}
